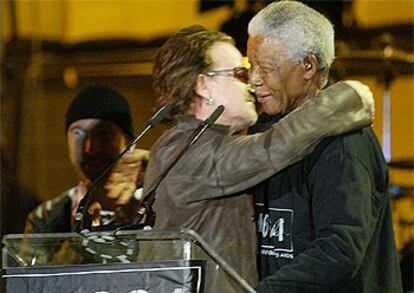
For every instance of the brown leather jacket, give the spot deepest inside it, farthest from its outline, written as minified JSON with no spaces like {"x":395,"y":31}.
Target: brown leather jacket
{"x":205,"y":191}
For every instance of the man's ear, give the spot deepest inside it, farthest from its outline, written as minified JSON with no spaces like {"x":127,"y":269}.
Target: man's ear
{"x":201,"y":86}
{"x":310,"y":66}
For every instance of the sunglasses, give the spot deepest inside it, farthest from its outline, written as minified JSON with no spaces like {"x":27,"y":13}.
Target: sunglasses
{"x":241,"y":73}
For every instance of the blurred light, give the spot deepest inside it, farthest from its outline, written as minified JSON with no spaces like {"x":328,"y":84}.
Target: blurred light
{"x":70,"y":77}
{"x":246,"y":62}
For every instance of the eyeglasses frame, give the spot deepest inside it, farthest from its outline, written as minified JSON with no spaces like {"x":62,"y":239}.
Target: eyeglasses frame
{"x":230,"y":73}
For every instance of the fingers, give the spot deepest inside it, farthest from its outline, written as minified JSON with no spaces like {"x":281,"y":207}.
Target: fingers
{"x":118,"y":189}
{"x":136,"y":155}
{"x":121,"y":192}
{"x":125,"y":176}
{"x":127,"y":164}
{"x":125,"y":173}
{"x":125,"y":196}
{"x":129,"y":167}
{"x":122,"y":183}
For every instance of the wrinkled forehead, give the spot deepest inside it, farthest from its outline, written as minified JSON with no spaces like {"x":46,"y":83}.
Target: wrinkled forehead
{"x":254,"y":43}
{"x":261,"y":49}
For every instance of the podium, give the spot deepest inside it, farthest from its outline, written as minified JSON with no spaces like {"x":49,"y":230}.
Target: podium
{"x":154,"y":261}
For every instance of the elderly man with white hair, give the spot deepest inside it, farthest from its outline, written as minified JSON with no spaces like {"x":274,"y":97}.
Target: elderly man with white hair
{"x":324,"y":223}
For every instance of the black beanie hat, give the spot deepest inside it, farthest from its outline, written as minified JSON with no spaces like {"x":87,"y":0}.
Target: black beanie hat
{"x":100,"y":102}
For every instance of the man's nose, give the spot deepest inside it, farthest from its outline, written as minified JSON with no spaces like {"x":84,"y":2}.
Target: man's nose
{"x":255,"y":78}
{"x":87,"y":145}
{"x":92,"y":145}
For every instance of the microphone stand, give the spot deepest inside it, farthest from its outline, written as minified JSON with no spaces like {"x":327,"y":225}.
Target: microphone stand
{"x":83,"y":219}
{"x":150,"y":198}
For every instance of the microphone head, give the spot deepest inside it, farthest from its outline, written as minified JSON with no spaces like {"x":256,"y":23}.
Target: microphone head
{"x":160,"y":115}
{"x":214,"y":116}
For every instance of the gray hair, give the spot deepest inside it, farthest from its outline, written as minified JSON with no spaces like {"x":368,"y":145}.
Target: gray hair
{"x":302,"y":30}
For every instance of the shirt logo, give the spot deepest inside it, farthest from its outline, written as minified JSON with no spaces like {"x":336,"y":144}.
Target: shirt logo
{"x":275,"y":230}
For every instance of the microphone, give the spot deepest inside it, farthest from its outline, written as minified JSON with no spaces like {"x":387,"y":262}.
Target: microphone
{"x":155,"y":119}
{"x":150,"y":198}
{"x":83,"y":219}
{"x":205,"y":124}
{"x":214,"y":116}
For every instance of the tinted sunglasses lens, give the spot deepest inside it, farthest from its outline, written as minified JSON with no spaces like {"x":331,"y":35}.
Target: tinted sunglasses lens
{"x":241,"y":74}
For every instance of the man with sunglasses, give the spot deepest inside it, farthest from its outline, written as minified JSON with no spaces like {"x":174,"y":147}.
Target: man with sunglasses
{"x":196,"y":71}
{"x":324,"y":223}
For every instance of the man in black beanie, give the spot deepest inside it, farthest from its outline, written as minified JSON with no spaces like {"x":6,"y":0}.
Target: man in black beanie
{"x":98,"y":128}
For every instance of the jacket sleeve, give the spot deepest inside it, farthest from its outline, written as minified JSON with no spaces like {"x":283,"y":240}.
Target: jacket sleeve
{"x":346,"y":207}
{"x":231,"y":164}
{"x":336,"y":110}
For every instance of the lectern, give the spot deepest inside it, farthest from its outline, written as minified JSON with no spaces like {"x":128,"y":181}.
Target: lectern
{"x":155,"y":261}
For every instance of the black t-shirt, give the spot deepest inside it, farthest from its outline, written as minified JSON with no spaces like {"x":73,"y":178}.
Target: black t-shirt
{"x":324,"y":223}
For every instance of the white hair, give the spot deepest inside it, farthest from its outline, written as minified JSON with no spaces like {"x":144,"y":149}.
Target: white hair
{"x":301,"y":29}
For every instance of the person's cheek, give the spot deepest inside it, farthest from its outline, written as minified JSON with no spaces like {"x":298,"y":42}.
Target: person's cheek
{"x":76,"y":151}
